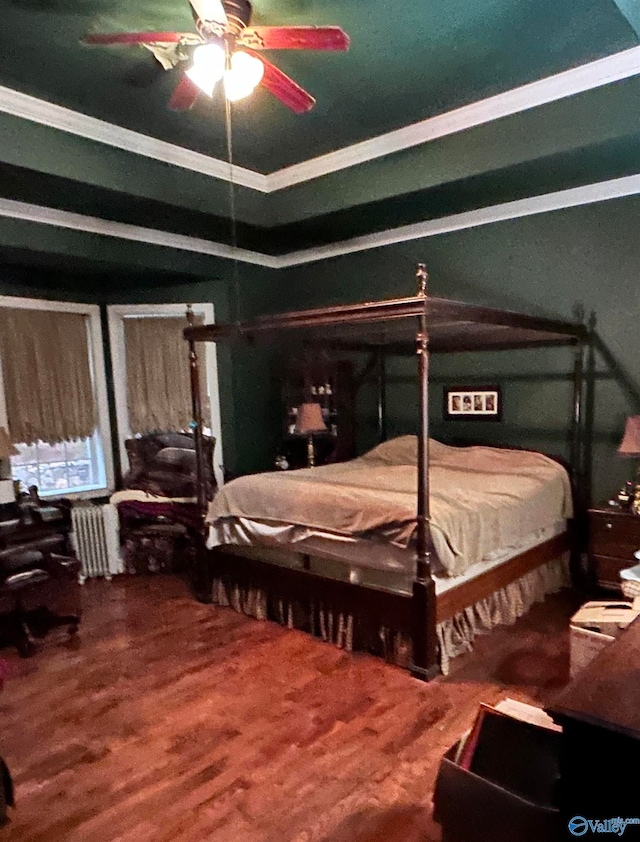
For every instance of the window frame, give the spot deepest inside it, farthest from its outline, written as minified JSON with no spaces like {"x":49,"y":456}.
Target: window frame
{"x":207,"y":354}
{"x":97,"y":363}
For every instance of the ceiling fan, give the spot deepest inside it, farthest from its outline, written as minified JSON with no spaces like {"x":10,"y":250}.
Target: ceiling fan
{"x":223,"y":47}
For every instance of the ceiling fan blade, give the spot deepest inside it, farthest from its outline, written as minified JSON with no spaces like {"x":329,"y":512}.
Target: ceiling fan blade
{"x":285,"y":89}
{"x":209,"y":11}
{"x":294,"y":38}
{"x":106,"y":39}
{"x":184,"y":95}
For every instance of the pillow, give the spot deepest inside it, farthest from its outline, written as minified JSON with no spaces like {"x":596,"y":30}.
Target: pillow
{"x":181,"y":440}
{"x":403,"y":450}
{"x":178,"y":459}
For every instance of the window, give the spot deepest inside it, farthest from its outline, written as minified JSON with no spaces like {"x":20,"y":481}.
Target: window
{"x":118,"y":315}
{"x":70,"y":466}
{"x":81,"y":467}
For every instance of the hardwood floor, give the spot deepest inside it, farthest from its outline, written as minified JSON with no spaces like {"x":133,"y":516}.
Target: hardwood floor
{"x":172,"y":720}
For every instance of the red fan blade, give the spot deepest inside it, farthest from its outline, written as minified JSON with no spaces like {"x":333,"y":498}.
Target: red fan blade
{"x":184,"y":95}
{"x":294,"y":38}
{"x":284,"y":88}
{"x":139,"y":38}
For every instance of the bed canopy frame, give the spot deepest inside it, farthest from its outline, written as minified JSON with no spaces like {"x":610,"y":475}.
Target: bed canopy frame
{"x":419,"y":325}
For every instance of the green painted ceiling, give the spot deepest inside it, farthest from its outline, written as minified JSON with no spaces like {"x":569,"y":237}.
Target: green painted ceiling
{"x":407,"y":62}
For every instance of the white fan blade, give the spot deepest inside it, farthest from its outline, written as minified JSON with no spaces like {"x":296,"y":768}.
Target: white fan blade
{"x":210,"y":11}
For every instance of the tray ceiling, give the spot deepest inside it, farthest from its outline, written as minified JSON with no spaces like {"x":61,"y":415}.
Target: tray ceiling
{"x":408,"y":62}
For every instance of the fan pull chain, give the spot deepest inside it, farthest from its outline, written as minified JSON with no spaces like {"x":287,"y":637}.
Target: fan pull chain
{"x":235,"y":308}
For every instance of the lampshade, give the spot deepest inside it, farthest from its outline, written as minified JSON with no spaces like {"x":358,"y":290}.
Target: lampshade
{"x":7,"y":448}
{"x":309,"y":419}
{"x":630,"y":444}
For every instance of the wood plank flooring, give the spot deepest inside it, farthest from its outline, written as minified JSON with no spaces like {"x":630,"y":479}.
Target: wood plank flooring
{"x":172,"y":720}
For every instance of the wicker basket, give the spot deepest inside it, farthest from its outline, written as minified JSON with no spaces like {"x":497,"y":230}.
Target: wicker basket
{"x":630,"y":588}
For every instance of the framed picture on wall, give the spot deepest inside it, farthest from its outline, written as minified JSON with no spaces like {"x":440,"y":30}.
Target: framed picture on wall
{"x":475,"y":403}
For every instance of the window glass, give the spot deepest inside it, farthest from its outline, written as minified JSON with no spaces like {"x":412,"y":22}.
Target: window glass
{"x":60,"y":468}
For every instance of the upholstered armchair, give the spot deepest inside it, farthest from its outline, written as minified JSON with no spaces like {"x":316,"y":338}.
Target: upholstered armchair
{"x":160,"y":521}
{"x":37,"y":580}
{"x":164,"y":464}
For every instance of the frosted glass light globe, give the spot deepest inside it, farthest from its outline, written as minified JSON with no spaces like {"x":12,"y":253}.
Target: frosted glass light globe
{"x":207,"y":67}
{"x":243,"y":76}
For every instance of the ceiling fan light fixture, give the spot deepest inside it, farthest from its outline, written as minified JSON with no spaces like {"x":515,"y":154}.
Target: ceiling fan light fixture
{"x":207,"y":67}
{"x":244,"y":75}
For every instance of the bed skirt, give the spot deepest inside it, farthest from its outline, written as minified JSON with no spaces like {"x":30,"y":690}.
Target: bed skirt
{"x":361,"y":633}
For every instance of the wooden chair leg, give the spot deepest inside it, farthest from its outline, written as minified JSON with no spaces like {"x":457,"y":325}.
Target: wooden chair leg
{"x":202,"y":577}
{"x":71,"y":621}
{"x":25,"y":643}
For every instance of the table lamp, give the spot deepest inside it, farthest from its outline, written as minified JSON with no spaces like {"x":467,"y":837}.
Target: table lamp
{"x":309,"y":420}
{"x":630,"y":447}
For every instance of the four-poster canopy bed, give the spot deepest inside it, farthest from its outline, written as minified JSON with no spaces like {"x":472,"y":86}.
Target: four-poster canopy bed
{"x":293,"y":573}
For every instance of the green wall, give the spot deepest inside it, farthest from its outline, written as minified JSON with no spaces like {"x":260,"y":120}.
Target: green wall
{"x":546,"y":265}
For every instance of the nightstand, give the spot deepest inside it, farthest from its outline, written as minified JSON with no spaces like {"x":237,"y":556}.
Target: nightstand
{"x":614,"y":537}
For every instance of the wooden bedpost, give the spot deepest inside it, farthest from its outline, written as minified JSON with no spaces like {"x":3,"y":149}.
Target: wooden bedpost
{"x":424,"y":664}
{"x":196,"y":416}
{"x":579,"y":529}
{"x":382,"y":395}
{"x":577,"y":421}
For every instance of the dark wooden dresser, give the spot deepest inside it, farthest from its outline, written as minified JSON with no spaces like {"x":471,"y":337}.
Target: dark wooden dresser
{"x":600,"y":715}
{"x":614,"y":537}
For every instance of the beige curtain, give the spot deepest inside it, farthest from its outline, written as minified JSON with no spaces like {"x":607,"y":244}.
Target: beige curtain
{"x":6,"y":447}
{"x":158,"y":380}
{"x":47,"y":375}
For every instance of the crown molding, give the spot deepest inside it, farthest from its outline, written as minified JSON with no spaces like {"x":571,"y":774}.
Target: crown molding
{"x":123,"y":231}
{"x":589,"y":194}
{"x":586,"y":77}
{"x":574,"y":197}
{"x":73,"y":122}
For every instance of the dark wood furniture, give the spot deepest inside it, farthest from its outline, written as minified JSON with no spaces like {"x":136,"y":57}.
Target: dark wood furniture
{"x":589,"y":769}
{"x":32,"y":524}
{"x":330,"y":383}
{"x":160,"y":537}
{"x":600,"y":715}
{"x":614,"y":537}
{"x":6,"y":791}
{"x":417,"y":325}
{"x":163,"y":531}
{"x":38,"y":572}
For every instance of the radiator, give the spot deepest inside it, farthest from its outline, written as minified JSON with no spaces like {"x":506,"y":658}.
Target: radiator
{"x":96,"y":541}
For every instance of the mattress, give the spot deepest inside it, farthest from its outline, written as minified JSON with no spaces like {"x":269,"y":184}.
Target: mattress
{"x":358,"y":560}
{"x":482,"y":501}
